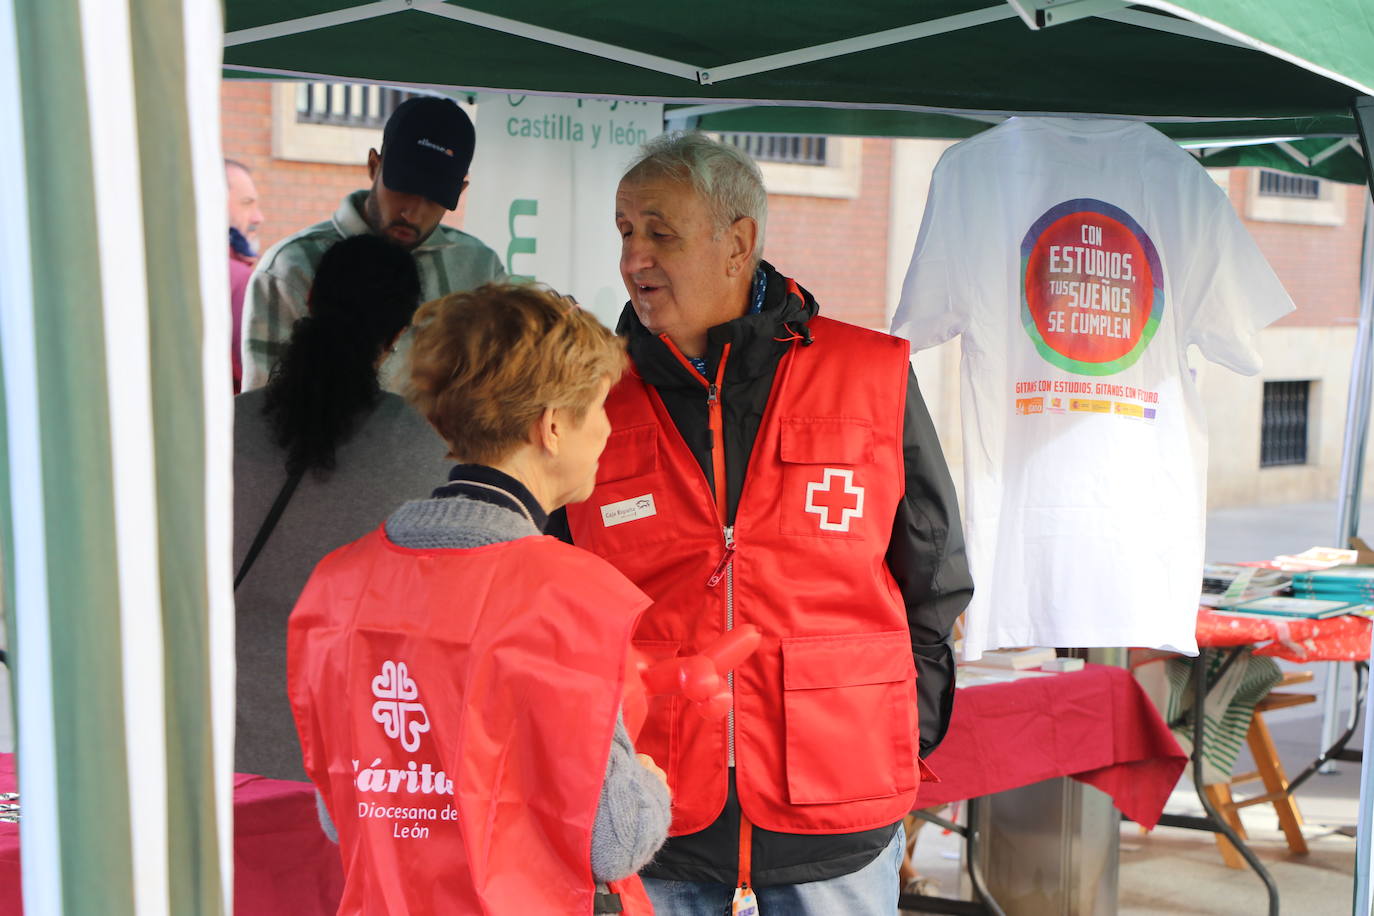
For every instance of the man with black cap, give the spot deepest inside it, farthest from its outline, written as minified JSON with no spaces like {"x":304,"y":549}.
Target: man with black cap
{"x":421,"y":171}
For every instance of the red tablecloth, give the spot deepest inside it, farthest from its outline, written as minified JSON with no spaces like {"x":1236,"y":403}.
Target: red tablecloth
{"x":9,"y":846}
{"x":1095,"y":725}
{"x":1335,"y":639}
{"x":283,"y":864}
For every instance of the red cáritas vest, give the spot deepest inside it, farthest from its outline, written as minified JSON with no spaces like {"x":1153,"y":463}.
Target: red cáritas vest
{"x":455,"y":709}
{"x":824,"y":725}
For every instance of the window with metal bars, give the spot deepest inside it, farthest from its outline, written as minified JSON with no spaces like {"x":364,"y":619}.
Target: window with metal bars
{"x":1282,"y":184}
{"x":1283,"y":429}
{"x":797,"y":149}
{"x":347,"y":104}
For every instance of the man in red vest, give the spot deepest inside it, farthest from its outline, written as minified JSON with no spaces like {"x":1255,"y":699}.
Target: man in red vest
{"x":772,"y":467}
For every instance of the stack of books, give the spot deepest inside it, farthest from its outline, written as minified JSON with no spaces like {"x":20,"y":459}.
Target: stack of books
{"x":1016,"y":659}
{"x":1315,"y":558}
{"x":1225,"y":583}
{"x":1354,"y":584}
{"x":1279,"y":606}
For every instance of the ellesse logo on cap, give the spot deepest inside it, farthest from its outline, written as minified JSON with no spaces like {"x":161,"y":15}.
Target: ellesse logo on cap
{"x":434,"y":146}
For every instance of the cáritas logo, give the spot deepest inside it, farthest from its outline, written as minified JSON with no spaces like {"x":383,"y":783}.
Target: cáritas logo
{"x":398,"y":708}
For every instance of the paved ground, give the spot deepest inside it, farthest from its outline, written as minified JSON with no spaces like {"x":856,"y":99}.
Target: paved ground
{"x":1174,"y":872}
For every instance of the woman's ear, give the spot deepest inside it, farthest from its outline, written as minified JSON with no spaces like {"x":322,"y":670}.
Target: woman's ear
{"x":547,"y":433}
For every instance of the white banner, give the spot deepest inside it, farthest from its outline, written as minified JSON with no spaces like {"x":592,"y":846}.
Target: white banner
{"x":543,"y":189}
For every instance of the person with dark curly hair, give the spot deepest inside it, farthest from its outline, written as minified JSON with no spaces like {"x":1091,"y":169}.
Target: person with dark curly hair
{"x":321,"y":455}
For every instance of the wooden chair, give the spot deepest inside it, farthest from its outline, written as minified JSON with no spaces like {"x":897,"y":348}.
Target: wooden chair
{"x":1269,"y":770}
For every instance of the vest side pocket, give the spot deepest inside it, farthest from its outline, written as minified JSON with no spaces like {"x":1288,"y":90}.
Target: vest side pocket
{"x":847,"y":706}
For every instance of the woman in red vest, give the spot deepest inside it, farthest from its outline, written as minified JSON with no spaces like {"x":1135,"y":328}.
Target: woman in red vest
{"x":456,"y":676}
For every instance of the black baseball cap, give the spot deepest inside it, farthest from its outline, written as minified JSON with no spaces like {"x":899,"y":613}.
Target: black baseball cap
{"x":427,"y":148}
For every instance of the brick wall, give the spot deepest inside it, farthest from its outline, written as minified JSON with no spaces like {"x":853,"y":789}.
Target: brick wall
{"x":837,"y":247}
{"x":1318,"y":265}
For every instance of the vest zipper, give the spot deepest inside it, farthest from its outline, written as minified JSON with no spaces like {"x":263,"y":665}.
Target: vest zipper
{"x":729,"y":532}
{"x":726,"y":566}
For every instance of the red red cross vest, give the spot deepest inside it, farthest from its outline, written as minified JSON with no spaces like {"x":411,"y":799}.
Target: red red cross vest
{"x":455,"y":709}
{"x":824,"y":725}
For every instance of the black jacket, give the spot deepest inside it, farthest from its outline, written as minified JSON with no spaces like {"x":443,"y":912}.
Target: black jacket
{"x":925,"y":556}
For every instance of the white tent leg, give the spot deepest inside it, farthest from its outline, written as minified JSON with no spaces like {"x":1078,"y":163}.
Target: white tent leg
{"x":1364,"y":120}
{"x":1352,"y":459}
{"x":41,"y":875}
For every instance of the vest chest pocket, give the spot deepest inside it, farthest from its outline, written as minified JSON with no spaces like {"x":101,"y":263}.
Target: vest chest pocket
{"x":849,"y":709}
{"x":827,"y":463}
{"x":630,"y":452}
{"x":625,"y":508}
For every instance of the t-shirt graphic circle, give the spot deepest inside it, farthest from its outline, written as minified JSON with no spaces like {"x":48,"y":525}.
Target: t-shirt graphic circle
{"x":1091,"y":287}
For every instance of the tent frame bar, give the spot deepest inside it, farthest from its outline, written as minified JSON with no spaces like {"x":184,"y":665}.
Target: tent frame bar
{"x":1292,"y":152}
{"x":868,"y":42}
{"x":560,"y":39}
{"x":1171,"y":25}
{"x":1333,"y":149}
{"x":701,"y":75}
{"x":1113,"y":10}
{"x":461,"y":14}
{"x":315,"y":23}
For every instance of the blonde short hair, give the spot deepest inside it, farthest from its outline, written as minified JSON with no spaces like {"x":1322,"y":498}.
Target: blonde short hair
{"x":485,"y":364}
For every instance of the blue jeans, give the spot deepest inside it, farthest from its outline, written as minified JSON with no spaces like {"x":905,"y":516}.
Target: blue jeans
{"x":870,"y":891}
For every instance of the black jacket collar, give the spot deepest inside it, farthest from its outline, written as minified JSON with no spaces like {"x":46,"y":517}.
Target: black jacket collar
{"x":757,"y":342}
{"x":476,"y":481}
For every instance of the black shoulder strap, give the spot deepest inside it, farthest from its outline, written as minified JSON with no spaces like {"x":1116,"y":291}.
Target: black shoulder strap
{"x":268,"y":523}
{"x":607,"y":902}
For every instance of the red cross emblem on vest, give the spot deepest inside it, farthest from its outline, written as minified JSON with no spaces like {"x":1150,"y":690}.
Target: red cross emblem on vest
{"x":835,"y":500}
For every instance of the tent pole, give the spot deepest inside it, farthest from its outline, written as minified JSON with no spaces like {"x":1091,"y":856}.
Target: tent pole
{"x":1352,"y":456}
{"x":1363,"y":109}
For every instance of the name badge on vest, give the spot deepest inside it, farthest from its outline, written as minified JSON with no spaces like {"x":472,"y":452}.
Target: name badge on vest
{"x":628,"y":510}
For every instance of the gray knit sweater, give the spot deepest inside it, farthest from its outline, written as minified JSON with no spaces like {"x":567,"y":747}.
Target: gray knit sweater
{"x":633,"y":814}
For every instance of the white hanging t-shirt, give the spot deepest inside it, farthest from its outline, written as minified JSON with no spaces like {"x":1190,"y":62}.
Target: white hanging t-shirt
{"x":1079,"y":259}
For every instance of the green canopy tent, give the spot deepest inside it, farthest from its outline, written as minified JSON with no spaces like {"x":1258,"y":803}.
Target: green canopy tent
{"x":1200,"y":70}
{"x":1240,"y":68}
{"x":1332,"y":159}
{"x":1316,"y":147}
{"x":1198,"y":59}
